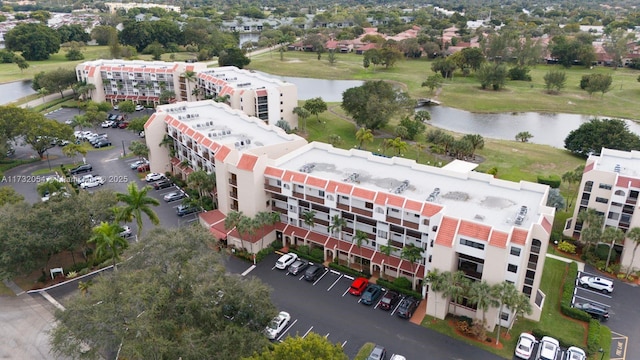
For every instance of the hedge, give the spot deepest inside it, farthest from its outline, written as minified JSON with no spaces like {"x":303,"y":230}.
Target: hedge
{"x":391,"y":286}
{"x":306,"y":255}
{"x":567,"y":295}
{"x":539,"y":333}
{"x":593,"y":338}
{"x":348,"y":270}
{"x":551,"y":180}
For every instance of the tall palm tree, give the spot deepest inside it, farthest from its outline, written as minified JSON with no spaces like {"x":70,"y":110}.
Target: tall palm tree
{"x":412,"y":254}
{"x":309,"y":218}
{"x":592,"y":223}
{"x":264,"y":219}
{"x":399,"y":145}
{"x":359,"y":238}
{"x":570,"y":178}
{"x":108,"y":241}
{"x":480,"y":294}
{"x":611,"y":235}
{"x":455,"y":287}
{"x":476,"y":141}
{"x":302,"y":114}
{"x":419,"y":148}
{"x":232,"y":219}
{"x":337,"y":223}
{"x":385,"y":249}
{"x":190,"y":76}
{"x":437,"y":283}
{"x":202,"y":182}
{"x":72,"y":150}
{"x":363,"y":135}
{"x":505,"y":293}
{"x":136,"y":202}
{"x":247,"y":226}
{"x":519,"y":307}
{"x":633,"y":235}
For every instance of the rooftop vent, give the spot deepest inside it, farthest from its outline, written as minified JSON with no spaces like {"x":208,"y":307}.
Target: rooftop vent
{"x":522,"y":214}
{"x":479,"y":217}
{"x":352,"y":178}
{"x":402,"y":187}
{"x":434,"y":195}
{"x":617,"y":168}
{"x":307,"y":168}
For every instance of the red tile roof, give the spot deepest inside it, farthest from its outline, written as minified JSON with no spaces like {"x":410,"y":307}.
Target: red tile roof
{"x":274,"y":172}
{"x":627,"y":182}
{"x":447,"y":231}
{"x":430,"y":209}
{"x":247,"y":162}
{"x":212,"y":217}
{"x":499,"y":239}
{"x":363,"y":193}
{"x":519,"y":236}
{"x":397,"y":201}
{"x":222,"y":153}
{"x":316,"y":182}
{"x":474,"y":230}
{"x":546,"y":225}
{"x":413,"y":205}
{"x":589,"y":167}
{"x":381,"y":198}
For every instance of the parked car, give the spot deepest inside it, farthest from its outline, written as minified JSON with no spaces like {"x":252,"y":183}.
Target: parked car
{"x":175,"y":195}
{"x":525,"y":346}
{"x":371,"y":294}
{"x":597,"y":312}
{"x":69,"y":121}
{"x":407,"y":307}
{"x":112,"y":117}
{"x":285,"y":260}
{"x":378,"y":353}
{"x":126,"y":231}
{"x":298,"y":266}
{"x":62,"y":142}
{"x":123,"y":124}
{"x":115,"y":124}
{"x":107,"y":124}
{"x":83,"y":179}
{"x":139,"y":107}
{"x":313,"y":272}
{"x":398,"y":357}
{"x":82,"y":168}
{"x":183,"y":209}
{"x":143,"y":167}
{"x":389,"y":300}
{"x":93,"y":182}
{"x":102,"y":143}
{"x":276,"y":325}
{"x":116,"y":107}
{"x":162,"y":184}
{"x":153,"y":177}
{"x":135,"y":165}
{"x":97,"y":139}
{"x":597,"y":283}
{"x":358,"y":285}
{"x":548,"y":349}
{"x":575,"y":353}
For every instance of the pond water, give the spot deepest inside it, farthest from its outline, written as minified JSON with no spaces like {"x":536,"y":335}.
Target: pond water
{"x":15,"y":90}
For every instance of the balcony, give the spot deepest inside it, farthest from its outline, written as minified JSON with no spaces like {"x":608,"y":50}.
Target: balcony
{"x":233,"y":182}
{"x":298,"y":195}
{"x":632,"y":201}
{"x":233,"y":194}
{"x":271,"y":188}
{"x":362,"y":211}
{"x":315,"y":199}
{"x":391,"y":219}
{"x":280,"y":210}
{"x":410,"y":225}
{"x":344,"y":207}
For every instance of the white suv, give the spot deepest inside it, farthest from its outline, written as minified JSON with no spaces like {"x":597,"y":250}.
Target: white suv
{"x":597,"y":283}
{"x":549,"y":348}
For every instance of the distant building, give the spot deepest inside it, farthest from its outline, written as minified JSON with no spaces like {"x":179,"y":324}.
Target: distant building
{"x":114,"y":7}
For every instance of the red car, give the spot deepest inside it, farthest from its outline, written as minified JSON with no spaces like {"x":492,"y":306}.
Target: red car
{"x":123,"y":125}
{"x":358,"y":286}
{"x":143,"y":168}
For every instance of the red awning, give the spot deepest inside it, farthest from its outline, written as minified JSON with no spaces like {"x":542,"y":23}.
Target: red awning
{"x":220,"y":235}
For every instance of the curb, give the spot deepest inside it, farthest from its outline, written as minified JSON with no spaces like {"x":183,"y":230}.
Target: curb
{"x":36,"y":291}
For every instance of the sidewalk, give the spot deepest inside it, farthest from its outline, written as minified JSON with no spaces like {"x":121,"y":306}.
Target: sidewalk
{"x":46,"y":99}
{"x":567,"y":260}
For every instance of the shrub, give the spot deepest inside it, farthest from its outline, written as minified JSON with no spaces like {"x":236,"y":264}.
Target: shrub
{"x":77,"y":267}
{"x":519,"y":73}
{"x":392,"y":286}
{"x":348,"y":270}
{"x":551,"y":180}
{"x":602,"y":251}
{"x":403,"y":283}
{"x":584,"y":82}
{"x":317,"y":253}
{"x":539,"y":333}
{"x":263,"y":253}
{"x":567,"y":247}
{"x":303,"y":252}
{"x":303,"y":249}
{"x":593,"y":337}
{"x":567,"y":295}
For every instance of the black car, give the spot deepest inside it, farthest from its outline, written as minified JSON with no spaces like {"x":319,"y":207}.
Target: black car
{"x":371,"y":294}
{"x":112,"y":117}
{"x":596,"y":312}
{"x":313,"y":272}
{"x":82,"y":168}
{"x":183,"y":210}
{"x":407,"y":307}
{"x":102,"y":143}
{"x":298,"y":266}
{"x":162,"y":184}
{"x":389,"y":300}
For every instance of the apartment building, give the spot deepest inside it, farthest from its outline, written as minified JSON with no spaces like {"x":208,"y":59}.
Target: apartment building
{"x":610,"y":184}
{"x":256,"y":95}
{"x":114,"y":7}
{"x":140,"y":81}
{"x":491,"y":229}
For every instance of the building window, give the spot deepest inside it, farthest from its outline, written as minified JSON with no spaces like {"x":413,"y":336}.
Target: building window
{"x":619,"y":193}
{"x":504,"y":316}
{"x":382,"y":234}
{"x":602,"y":200}
{"x":300,"y":186}
{"x":613,"y":216}
{"x":329,"y":197}
{"x":379,"y":210}
{"x":515,"y":251}
{"x":512,"y":268}
{"x":588,"y":186}
{"x":286,"y":186}
{"x":293,"y":209}
{"x":278,"y":182}
{"x":472,"y":244}
{"x":394,"y":210}
{"x":604,"y":186}
{"x":321,"y":193}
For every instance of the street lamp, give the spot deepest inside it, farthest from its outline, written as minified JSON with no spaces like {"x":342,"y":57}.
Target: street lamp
{"x":48,"y":161}
{"x":123,"y":151}
{"x":602,"y":352}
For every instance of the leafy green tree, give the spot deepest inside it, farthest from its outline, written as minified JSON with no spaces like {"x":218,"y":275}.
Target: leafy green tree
{"x":310,"y":347}
{"x":202,"y":182}
{"x":364,"y":135}
{"x":633,"y":235}
{"x":554,"y":81}
{"x":523,"y":136}
{"x":56,"y":80}
{"x":505,"y":294}
{"x":171,"y":299}
{"x":302,"y":114}
{"x":374,"y":103}
{"x":592,"y":223}
{"x":265,"y":219}
{"x":9,"y":195}
{"x":616,"y":45}
{"x":437,"y":284}
{"x":335,"y":139}
{"x":34,"y":41}
{"x":455,"y":287}
{"x":49,"y":187}
{"x":415,"y":127}
{"x":315,"y":106}
{"x":599,"y":83}
{"x":21,"y":62}
{"x":444,"y":66}
{"x":136,"y":125}
{"x":139,"y":149}
{"x":611,"y":236}
{"x":433,"y":81}
{"x":492,"y":75}
{"x":412,"y":254}
{"x":469,"y":58}
{"x":572,"y":178}
{"x":337,"y":224}
{"x":108,"y":241}
{"x":127,"y":107}
{"x":480,"y":294}
{"x":519,"y":307}
{"x":136,"y":202}
{"x":39,"y":131}
{"x":596,"y":134}
{"x":233,"y":57}
{"x":309,"y":218}
{"x":73,"y":32}
{"x":102,"y":33}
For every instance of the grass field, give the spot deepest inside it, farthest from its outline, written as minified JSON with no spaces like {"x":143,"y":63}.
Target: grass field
{"x":465,"y":92}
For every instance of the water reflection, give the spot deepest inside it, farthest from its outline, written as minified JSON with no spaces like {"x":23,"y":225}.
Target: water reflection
{"x":13,"y":91}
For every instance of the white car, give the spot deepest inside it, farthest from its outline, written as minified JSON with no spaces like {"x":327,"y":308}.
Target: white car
{"x":549,"y":348}
{"x":575,"y":353}
{"x":93,"y":182}
{"x":69,"y":121}
{"x":277,"y":325}
{"x":398,"y":357}
{"x":126,"y":231}
{"x":285,"y":260}
{"x":107,"y":124}
{"x":139,"y":107}
{"x":525,"y":345}
{"x":153,"y":177}
{"x":135,"y":165}
{"x":597,"y":283}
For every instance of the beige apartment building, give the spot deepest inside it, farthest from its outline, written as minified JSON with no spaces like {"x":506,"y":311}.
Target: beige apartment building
{"x":266,"y":98}
{"x":491,"y":229}
{"x":143,"y":82}
{"x":610,"y":184}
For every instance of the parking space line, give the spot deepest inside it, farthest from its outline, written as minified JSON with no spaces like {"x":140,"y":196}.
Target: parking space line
{"x":344,"y":343}
{"x":248,"y":270}
{"x":597,"y":292}
{"x":592,"y":301}
{"x":349,"y":277}
{"x":284,"y":332}
{"x":620,"y":347}
{"x":346,"y":291}
{"x":307,"y":333}
{"x":301,"y":277}
{"x":397,"y":306}
{"x":273,"y":268}
{"x":320,"y":278}
{"x":335,"y":282}
{"x":379,"y":301}
{"x":326,"y":336}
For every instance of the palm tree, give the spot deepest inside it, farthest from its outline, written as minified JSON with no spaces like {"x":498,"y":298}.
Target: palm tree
{"x":419,"y":147}
{"x":364,"y":135}
{"x":592,"y":223}
{"x":480,"y":295}
{"x":108,"y":241}
{"x":233,"y":220}
{"x":302,"y":114}
{"x":399,"y":145}
{"x":614,"y":236}
{"x":519,"y":307}
{"x":633,"y":235}
{"x":202,"y":182}
{"x":264,"y":219}
{"x":247,"y":226}
{"x":72,"y":149}
{"x":476,"y":141}
{"x":505,"y":293}
{"x":436,"y":281}
{"x":359,"y":238}
{"x":412,"y":254}
{"x":136,"y":203}
{"x":337,"y":223}
{"x":455,"y":287}
{"x":385,"y":249}
{"x":570,"y":178}
{"x":190,"y":76}
{"x":84,"y":287}
{"x":309,"y":218}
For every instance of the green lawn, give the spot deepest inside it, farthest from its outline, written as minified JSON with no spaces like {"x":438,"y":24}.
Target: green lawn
{"x":551,"y":321}
{"x":364,"y":351}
